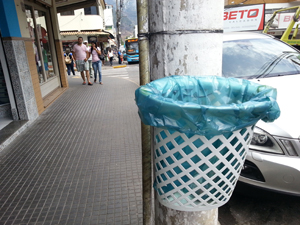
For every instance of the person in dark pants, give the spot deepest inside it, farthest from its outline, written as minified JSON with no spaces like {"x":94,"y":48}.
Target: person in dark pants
{"x":119,"y":57}
{"x":104,"y":57}
{"x":111,"y":56}
{"x":70,"y":66}
{"x":103,"y":53}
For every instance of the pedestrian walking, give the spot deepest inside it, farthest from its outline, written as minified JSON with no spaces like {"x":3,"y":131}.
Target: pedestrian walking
{"x":81,"y":55}
{"x":97,"y":63}
{"x":111,"y":56}
{"x":119,"y":57}
{"x":69,"y":60}
{"x":89,"y":60}
{"x":103,"y":53}
{"x":103,"y":57}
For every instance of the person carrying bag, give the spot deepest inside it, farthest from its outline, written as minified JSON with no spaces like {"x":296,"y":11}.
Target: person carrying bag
{"x":69,"y":60}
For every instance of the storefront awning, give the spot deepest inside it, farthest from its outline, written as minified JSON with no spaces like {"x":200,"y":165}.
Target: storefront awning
{"x":79,"y":33}
{"x":67,"y":5}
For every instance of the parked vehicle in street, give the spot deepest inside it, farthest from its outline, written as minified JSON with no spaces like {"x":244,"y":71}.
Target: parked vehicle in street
{"x":273,"y":161}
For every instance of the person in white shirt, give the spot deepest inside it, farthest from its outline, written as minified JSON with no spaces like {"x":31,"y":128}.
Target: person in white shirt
{"x":111,"y":56}
{"x":89,"y":59}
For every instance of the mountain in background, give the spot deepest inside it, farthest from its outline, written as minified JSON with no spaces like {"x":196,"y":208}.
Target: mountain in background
{"x":128,"y":16}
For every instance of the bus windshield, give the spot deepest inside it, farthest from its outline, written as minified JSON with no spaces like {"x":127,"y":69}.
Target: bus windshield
{"x":132,"y":46}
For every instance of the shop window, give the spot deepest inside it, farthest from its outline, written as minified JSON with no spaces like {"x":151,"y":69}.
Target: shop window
{"x":93,"y":10}
{"x":92,"y":39}
{"x":40,"y":42}
{"x":67,"y":13}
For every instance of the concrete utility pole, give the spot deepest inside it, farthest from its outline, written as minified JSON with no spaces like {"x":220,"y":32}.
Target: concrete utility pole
{"x":119,"y":5}
{"x":185,"y":39}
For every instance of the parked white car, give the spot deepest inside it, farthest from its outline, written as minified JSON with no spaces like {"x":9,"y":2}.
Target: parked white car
{"x":273,"y":161}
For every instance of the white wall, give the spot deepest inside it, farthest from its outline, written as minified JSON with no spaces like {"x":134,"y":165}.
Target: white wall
{"x":22,"y":19}
{"x":80,"y":21}
{"x":109,"y":19}
{"x":101,"y":13}
{"x":108,"y":15}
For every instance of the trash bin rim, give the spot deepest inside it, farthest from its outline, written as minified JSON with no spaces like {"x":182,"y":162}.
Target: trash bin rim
{"x":147,"y":91}
{"x":255,"y":102}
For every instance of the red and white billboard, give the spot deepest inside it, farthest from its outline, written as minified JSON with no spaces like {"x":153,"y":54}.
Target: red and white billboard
{"x":244,"y":18}
{"x":284,"y":19}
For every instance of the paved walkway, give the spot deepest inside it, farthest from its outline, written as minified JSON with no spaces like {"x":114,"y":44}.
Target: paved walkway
{"x":79,"y":162}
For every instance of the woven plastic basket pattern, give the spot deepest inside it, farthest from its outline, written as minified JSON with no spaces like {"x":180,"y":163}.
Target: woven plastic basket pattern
{"x":194,"y":173}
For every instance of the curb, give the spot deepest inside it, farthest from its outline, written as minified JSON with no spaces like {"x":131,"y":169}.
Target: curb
{"x":119,"y":66}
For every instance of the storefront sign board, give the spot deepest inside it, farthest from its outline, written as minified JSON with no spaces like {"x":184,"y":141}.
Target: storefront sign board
{"x":244,"y":18}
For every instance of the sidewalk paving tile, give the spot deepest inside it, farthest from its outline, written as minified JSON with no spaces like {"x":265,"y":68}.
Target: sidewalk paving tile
{"x":79,"y":162}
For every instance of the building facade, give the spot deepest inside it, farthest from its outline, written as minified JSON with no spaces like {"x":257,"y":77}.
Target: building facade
{"x":281,"y":20}
{"x":109,"y":23}
{"x":32,"y":68}
{"x":88,"y":23}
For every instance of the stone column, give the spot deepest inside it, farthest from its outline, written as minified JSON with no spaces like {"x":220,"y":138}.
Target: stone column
{"x":18,"y":67}
{"x":15,"y":52}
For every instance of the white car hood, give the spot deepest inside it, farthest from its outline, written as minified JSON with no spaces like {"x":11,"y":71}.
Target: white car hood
{"x":288,"y":91}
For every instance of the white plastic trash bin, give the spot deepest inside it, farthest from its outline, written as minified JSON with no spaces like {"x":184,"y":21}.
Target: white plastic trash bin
{"x":196,"y":173}
{"x":203,"y":125}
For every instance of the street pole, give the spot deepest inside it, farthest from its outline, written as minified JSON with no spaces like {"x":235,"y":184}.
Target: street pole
{"x":144,"y":69}
{"x":185,"y":39}
{"x":118,"y":12}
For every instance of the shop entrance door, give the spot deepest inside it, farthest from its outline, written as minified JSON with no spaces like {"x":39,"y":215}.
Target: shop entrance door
{"x":40,"y":29}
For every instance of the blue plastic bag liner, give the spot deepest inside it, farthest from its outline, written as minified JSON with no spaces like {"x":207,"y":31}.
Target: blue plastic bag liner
{"x":205,"y":105}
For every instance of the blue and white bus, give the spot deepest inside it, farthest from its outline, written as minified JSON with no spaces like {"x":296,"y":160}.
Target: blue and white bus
{"x":132,"y":50}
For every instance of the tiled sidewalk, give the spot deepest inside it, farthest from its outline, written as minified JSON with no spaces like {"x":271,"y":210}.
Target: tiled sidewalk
{"x":79,"y":162}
